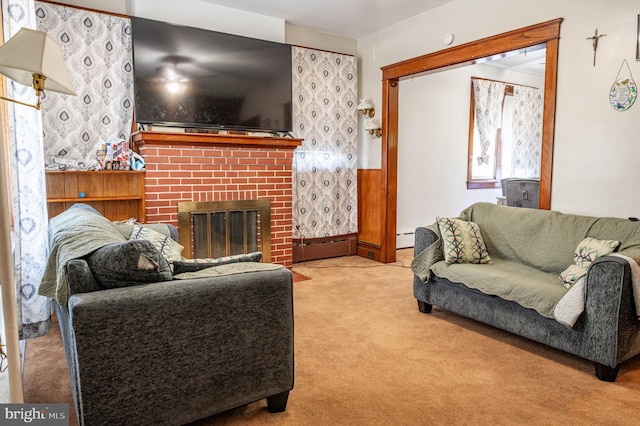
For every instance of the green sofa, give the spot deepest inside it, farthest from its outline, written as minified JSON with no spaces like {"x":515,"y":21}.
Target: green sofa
{"x":521,"y":291}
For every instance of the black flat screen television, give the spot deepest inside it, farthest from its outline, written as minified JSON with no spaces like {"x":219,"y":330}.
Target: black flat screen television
{"x":195,"y":78}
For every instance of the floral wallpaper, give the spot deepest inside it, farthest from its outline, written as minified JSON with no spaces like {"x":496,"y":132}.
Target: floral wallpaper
{"x":94,"y":44}
{"x":325,"y":166}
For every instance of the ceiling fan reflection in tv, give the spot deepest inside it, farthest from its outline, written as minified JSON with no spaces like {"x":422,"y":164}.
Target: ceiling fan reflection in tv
{"x":194,"y":78}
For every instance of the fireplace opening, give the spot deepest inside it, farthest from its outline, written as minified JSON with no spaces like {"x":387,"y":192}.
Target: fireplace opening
{"x":224,"y":228}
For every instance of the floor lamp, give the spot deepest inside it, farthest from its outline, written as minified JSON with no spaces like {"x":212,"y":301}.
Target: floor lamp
{"x":34,"y":59}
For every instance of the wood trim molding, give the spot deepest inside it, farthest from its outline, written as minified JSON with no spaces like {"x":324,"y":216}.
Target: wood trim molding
{"x":545,"y":33}
{"x":169,"y":138}
{"x":475,"y":51}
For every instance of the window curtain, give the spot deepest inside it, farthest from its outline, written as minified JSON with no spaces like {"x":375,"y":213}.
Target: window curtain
{"x":527,"y":131}
{"x":97,"y":50}
{"x":488,"y":96}
{"x":325,"y":166}
{"x":30,"y":223}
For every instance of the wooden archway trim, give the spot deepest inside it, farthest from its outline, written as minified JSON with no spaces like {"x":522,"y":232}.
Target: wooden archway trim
{"x":546,"y":33}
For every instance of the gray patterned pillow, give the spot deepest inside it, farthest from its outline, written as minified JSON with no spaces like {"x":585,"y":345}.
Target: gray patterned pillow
{"x":462,"y":241}
{"x":587,"y":251}
{"x":194,"y":265}
{"x":80,"y":277}
{"x":128,"y":263}
{"x":169,"y":248}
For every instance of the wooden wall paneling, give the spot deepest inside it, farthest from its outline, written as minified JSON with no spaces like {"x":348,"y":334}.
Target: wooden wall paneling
{"x":70,"y":186}
{"x":55,"y":186}
{"x":92,"y":185}
{"x":370,"y":201}
{"x":118,"y":195}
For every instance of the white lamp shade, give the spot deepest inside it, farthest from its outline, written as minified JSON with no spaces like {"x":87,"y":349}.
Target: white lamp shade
{"x":364,"y":104}
{"x":31,"y":51}
{"x":372,"y":124}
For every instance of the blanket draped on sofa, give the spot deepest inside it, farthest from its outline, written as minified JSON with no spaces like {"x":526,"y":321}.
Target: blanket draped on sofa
{"x":507,"y":235}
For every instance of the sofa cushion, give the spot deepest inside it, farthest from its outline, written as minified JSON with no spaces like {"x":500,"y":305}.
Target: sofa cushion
{"x":128,"y":263}
{"x":194,"y":265}
{"x":169,"y":248}
{"x":587,"y":251}
{"x":509,"y":280}
{"x":540,"y":238}
{"x":80,"y":277}
{"x":462,"y":241}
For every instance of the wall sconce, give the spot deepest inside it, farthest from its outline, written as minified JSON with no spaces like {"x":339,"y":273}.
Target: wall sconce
{"x":34,"y":59}
{"x":373,"y":127}
{"x":366,"y":107}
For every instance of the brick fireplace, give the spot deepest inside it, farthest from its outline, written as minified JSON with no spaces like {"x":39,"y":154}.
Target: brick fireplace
{"x":197,"y":167}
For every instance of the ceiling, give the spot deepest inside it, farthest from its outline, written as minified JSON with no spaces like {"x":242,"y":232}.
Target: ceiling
{"x":348,"y":18}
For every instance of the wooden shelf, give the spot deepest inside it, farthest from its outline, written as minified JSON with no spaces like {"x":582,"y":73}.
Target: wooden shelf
{"x":194,"y":139}
{"x":118,"y":195}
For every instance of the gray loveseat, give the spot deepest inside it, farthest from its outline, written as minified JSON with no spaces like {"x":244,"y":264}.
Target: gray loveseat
{"x":167,"y":352}
{"x":528,"y":246}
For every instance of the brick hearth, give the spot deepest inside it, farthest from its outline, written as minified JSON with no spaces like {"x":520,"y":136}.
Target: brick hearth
{"x":207,"y":167}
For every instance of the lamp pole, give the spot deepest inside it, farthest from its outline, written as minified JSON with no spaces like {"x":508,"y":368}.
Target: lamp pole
{"x":8,"y":287}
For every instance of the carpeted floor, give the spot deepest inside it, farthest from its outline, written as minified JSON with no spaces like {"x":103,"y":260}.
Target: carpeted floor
{"x":366,"y":355}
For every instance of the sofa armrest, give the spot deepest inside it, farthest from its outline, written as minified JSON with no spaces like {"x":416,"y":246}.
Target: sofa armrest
{"x":424,"y":237}
{"x":182,"y":350}
{"x":610,"y":316}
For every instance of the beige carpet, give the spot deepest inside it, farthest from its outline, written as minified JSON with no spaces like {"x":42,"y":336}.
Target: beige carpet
{"x":365,"y":355}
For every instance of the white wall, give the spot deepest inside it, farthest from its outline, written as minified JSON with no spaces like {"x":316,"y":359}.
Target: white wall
{"x":596,"y":148}
{"x":200,"y":14}
{"x":437,"y":106}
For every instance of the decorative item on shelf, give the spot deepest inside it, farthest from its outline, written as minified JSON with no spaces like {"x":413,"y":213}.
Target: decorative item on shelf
{"x":366,"y":107}
{"x":624,"y":91}
{"x":34,"y":59}
{"x":115,"y":155}
{"x":373,"y":127}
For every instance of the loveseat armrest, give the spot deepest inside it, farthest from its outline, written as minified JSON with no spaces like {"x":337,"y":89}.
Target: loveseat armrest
{"x":176,"y":351}
{"x":611,"y":324}
{"x":424,"y":237}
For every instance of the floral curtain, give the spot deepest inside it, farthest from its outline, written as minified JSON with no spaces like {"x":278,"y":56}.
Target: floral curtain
{"x":31,"y":241}
{"x":488,"y":96}
{"x":97,"y":50}
{"x":527,"y":131}
{"x":325,"y":166}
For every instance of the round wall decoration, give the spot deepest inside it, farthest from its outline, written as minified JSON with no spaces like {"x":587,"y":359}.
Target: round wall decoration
{"x":623,"y":94}
{"x":624,"y":91}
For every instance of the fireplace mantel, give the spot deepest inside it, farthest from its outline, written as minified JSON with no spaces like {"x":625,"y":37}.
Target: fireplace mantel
{"x":194,"y":139}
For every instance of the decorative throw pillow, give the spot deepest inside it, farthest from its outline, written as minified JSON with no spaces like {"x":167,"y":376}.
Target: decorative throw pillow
{"x":128,"y":263}
{"x":587,"y":251}
{"x":80,"y":277}
{"x":194,"y":265}
{"x":462,"y":241}
{"x":169,"y":248}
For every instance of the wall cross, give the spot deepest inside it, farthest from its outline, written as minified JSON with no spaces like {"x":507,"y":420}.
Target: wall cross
{"x":595,"y":39}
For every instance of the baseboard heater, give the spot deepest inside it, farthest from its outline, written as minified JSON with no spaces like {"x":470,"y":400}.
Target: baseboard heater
{"x":324,"y":248}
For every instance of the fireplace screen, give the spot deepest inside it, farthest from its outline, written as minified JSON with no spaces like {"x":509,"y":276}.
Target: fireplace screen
{"x":224,"y":228}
